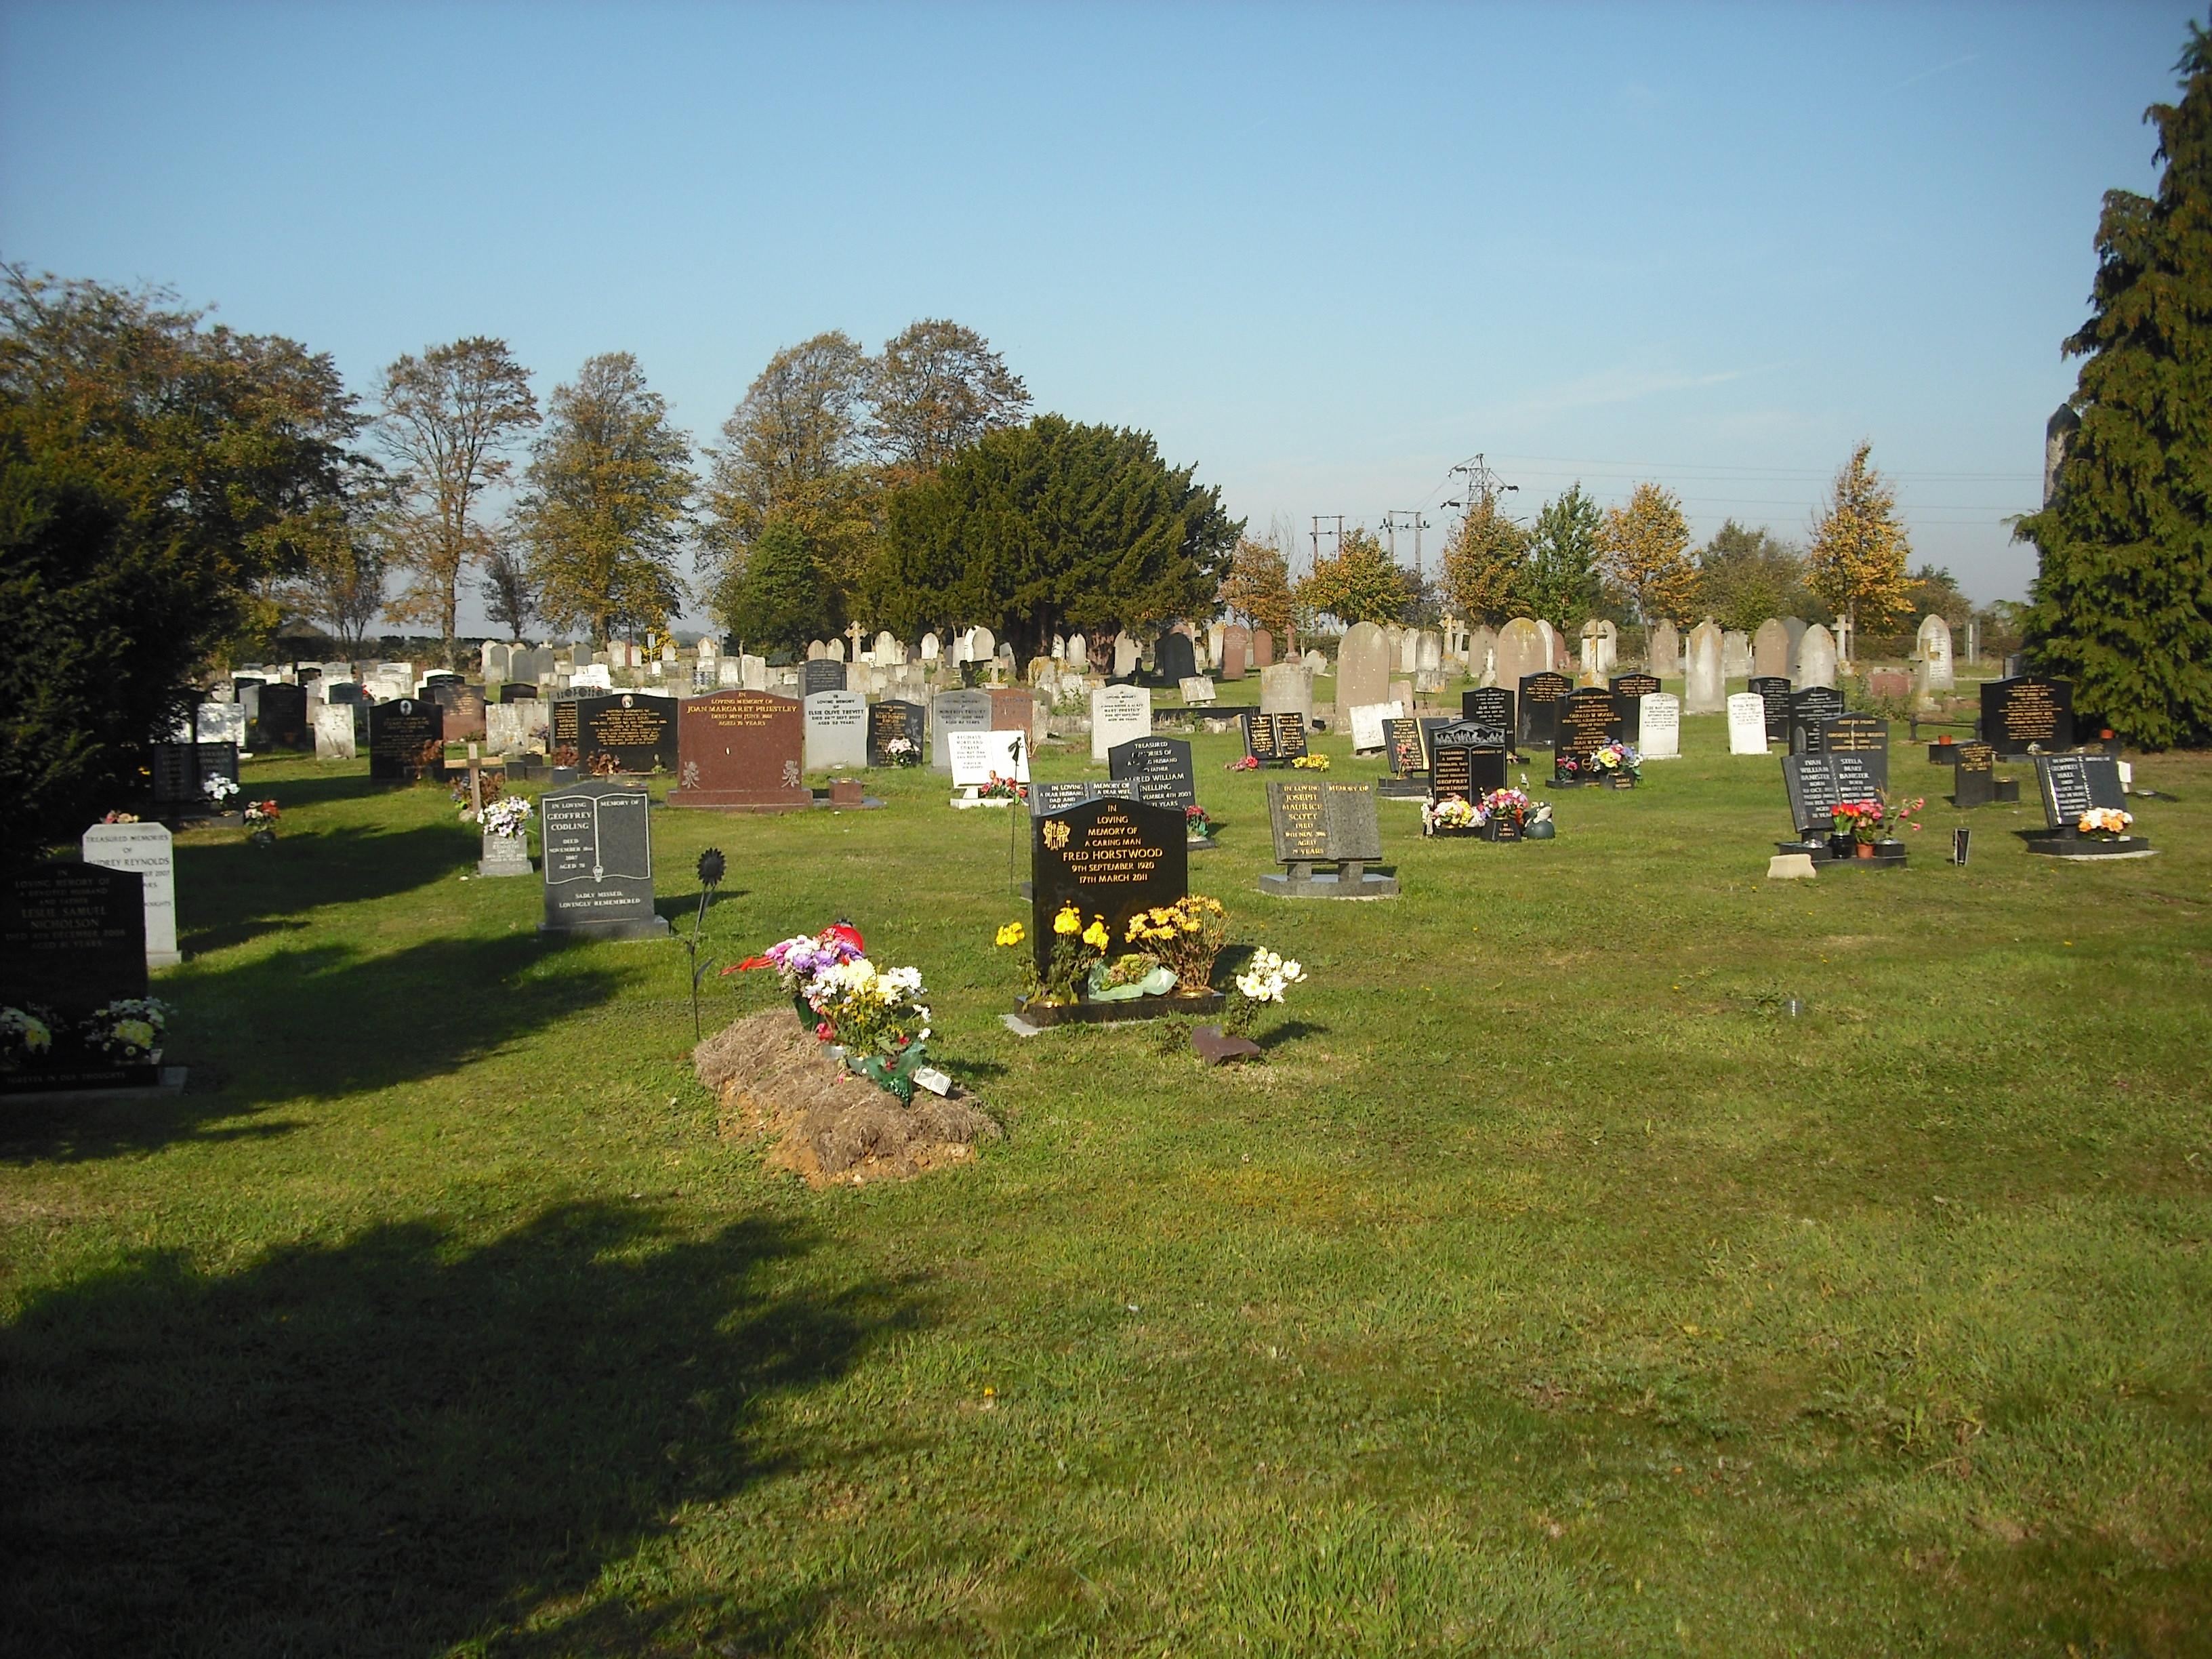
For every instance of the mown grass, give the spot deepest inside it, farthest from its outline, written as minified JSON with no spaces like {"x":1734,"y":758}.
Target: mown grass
{"x":1548,"y":1290}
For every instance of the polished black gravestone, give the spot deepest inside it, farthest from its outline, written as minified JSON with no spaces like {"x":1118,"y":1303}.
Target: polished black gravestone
{"x":1864,"y":735}
{"x":1273,"y":740}
{"x":1773,"y":690}
{"x":635,"y":731}
{"x":1161,"y":768}
{"x":181,"y":772}
{"x":1585,"y":721}
{"x":598,"y":839}
{"x":72,"y":940}
{"x":1107,"y":858}
{"x":891,"y":720}
{"x":1174,"y":660}
{"x":1976,"y":780}
{"x":1809,"y":710}
{"x":406,"y":740}
{"x":1316,"y":822}
{"x":2028,"y":709}
{"x":516,"y":691}
{"x":280,"y":722}
{"x":821,"y":674}
{"x":1816,"y":784}
{"x":1629,"y":691}
{"x":1489,"y":705}
{"x":2072,"y":785}
{"x":1540,"y":707}
{"x":1409,"y":760}
{"x":1467,"y":758}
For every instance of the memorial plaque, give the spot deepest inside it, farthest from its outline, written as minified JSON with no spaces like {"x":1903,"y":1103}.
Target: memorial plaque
{"x":1290,"y":736}
{"x":1491,"y":706}
{"x":633,"y":730}
{"x":1273,"y":740}
{"x":1046,"y":799}
{"x":1107,"y":858}
{"x":564,"y":724}
{"x":72,"y":937}
{"x":1161,"y":768}
{"x":2073,"y":784}
{"x":599,"y":861}
{"x":980,"y":757}
{"x":741,"y":751}
{"x":891,"y":720}
{"x":406,"y":740}
{"x":1540,"y":695}
{"x":1809,"y":710}
{"x":1977,"y":775}
{"x":1773,"y":690}
{"x":836,"y":730}
{"x":1586,"y":719}
{"x":1864,"y":735}
{"x":148,"y":850}
{"x":821,"y":674}
{"x":2026,"y":709}
{"x":963,"y":711}
{"x":1468,"y":770}
{"x":1298,"y":812}
{"x":1810,"y":780}
{"x":181,"y":774}
{"x":281,"y":721}
{"x":1629,"y":691}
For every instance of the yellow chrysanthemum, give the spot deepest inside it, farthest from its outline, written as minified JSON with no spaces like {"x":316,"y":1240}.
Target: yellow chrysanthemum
{"x":1096,"y":935}
{"x":1010,"y":934}
{"x":1069,"y":920}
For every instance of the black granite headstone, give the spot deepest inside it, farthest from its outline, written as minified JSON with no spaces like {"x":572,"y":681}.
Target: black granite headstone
{"x":2028,"y":708}
{"x":1586,"y":719}
{"x":1402,"y":741}
{"x":890,"y":719}
{"x":406,"y":740}
{"x":635,"y":729}
{"x":1491,"y":706}
{"x":2074,"y":784}
{"x":1174,"y":659}
{"x":599,"y":861}
{"x":1976,"y":775}
{"x":1161,"y":766}
{"x":280,"y":721}
{"x":821,"y":674}
{"x":1810,"y":709}
{"x":1107,"y":858}
{"x":1629,"y":691}
{"x":181,"y":774}
{"x":1538,"y":706}
{"x":516,"y":691}
{"x":1864,"y":735}
{"x":1773,"y":690}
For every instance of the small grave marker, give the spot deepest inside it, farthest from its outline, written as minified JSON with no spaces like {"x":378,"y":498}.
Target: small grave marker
{"x":599,"y":861}
{"x":1317,"y":822}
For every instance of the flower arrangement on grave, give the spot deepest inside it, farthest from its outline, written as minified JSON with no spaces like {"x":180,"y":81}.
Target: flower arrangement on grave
{"x":1614,"y":760}
{"x":1245,"y":763}
{"x":565,"y":755}
{"x":1866,"y":822}
{"x":1185,"y":936}
{"x":261,"y":818}
{"x":120,"y":817}
{"x":902,"y":752}
{"x":27,"y":1036}
{"x":605,"y":765}
{"x":127,"y":1031}
{"x":220,"y":791}
{"x":995,"y":788}
{"x":488,"y":788}
{"x":507,"y":816}
{"x":875,"y":1015}
{"x":1310,"y":762}
{"x":1451,"y":813}
{"x":1510,"y":807}
{"x":2104,"y":824}
{"x":1076,"y":948}
{"x":1261,"y":985}
{"x":1196,"y":825}
{"x":1125,"y":978}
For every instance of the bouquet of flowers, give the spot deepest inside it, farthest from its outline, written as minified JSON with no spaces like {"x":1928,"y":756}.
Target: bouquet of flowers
{"x":2105,"y":823}
{"x":565,"y":755}
{"x":1248,"y":763}
{"x":1186,"y":936}
{"x":488,"y":787}
{"x":1196,"y":825}
{"x":902,"y":752}
{"x":1449,"y":814}
{"x":26,"y":1035}
{"x":1125,"y":978}
{"x":1262,"y":983}
{"x":259,"y":814}
{"x":128,"y":1030}
{"x":877,"y":1014}
{"x":219,"y":791}
{"x":120,"y":817}
{"x":995,"y":788}
{"x":506,"y":816}
{"x":1615,"y":760}
{"x":1075,"y":949}
{"x":1511,"y":805}
{"x":1867,"y":821}
{"x":796,"y":960}
{"x":1310,"y":762}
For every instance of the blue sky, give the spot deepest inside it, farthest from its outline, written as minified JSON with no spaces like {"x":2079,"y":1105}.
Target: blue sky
{"x":1323,"y":253}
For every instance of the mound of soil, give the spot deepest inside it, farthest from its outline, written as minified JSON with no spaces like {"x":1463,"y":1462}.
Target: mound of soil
{"x":772,"y":1077}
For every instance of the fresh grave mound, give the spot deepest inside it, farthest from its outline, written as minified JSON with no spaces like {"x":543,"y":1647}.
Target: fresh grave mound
{"x":772,"y":1076}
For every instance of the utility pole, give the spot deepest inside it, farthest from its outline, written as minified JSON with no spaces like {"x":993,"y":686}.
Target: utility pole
{"x":1338,"y":533}
{"x":1403,"y":517}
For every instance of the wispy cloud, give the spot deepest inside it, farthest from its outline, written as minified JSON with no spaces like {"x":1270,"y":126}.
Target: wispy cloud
{"x":1915,"y":80}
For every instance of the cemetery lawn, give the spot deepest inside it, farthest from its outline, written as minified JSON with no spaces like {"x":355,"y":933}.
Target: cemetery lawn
{"x":1550,"y":1290}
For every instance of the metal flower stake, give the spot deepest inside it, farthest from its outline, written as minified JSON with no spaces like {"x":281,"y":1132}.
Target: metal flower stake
{"x":711,"y":869}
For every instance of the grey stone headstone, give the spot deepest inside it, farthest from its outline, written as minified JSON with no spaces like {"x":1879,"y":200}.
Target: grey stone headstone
{"x":1362,"y":666}
{"x":836,"y":730}
{"x":599,"y":861}
{"x":1118,"y":712}
{"x":951,"y":712}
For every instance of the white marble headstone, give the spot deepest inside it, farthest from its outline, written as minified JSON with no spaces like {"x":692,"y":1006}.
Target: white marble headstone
{"x":978,"y":756}
{"x":1118,"y":712}
{"x":1367,"y":729}
{"x":145,"y":850}
{"x":1747,"y":718}
{"x":1660,"y":715}
{"x":334,"y":731}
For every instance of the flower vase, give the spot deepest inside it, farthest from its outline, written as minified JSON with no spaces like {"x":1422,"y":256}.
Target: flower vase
{"x":262,"y":837}
{"x":1865,"y":849}
{"x":1840,"y":846}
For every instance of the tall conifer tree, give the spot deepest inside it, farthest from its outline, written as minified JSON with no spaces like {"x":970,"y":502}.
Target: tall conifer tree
{"x":2122,"y":604}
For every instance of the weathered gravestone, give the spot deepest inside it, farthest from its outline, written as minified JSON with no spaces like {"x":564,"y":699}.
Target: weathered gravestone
{"x":1119,"y":713}
{"x":1016,"y":708}
{"x":1362,"y":666}
{"x":1858,"y":734}
{"x":1263,"y":649}
{"x":1367,"y":723}
{"x":220,"y":722}
{"x":1705,"y":688}
{"x":2027,"y":710}
{"x":463,"y":707}
{"x":1816,"y":658}
{"x":1107,"y":858}
{"x":1746,"y":723}
{"x":406,"y":741}
{"x":1770,"y":651}
{"x":146,"y":849}
{"x":1538,"y":703}
{"x":1197,"y":691}
{"x":1236,"y":651}
{"x":835,"y":728}
{"x":72,"y":940}
{"x":1287,"y":689}
{"x":599,"y":861}
{"x":335,"y":737}
{"x":2072,"y":785}
{"x":1273,"y":740}
{"x":281,"y":721}
{"x":634,"y":731}
{"x":1736,"y":655}
{"x":1662,"y":654}
{"x":821,"y":674}
{"x":1933,"y":648}
{"x":966,"y":710}
{"x":1659,"y":725}
{"x":1775,"y":689}
{"x":1629,"y":690}
{"x":1810,"y":709}
{"x":1523,"y":650}
{"x":891,"y":722}
{"x":181,"y":772}
{"x":1316,"y":822}
{"x":1588,"y":719}
{"x":1159,"y":767}
{"x":741,"y":751}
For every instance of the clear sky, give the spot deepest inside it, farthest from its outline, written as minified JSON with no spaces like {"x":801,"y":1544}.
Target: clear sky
{"x":1323,"y":253}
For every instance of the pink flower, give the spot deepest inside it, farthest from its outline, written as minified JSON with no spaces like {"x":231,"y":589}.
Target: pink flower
{"x":824,"y":1031}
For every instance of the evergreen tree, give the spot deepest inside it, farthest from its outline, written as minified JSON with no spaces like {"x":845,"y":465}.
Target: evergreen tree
{"x":2122,"y":601}
{"x":782,"y":600}
{"x":1559,"y":582}
{"x":1483,"y":562}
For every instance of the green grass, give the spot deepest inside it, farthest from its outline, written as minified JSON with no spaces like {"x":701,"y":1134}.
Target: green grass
{"x":1548,"y":1291}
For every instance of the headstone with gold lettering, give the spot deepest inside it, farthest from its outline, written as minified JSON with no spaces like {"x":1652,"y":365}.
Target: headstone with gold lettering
{"x":741,"y":751}
{"x":632,"y":731}
{"x":1317,"y":822}
{"x":1108,"y":859}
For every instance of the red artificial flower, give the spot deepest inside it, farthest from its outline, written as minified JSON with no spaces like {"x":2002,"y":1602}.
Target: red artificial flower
{"x":846,"y":931}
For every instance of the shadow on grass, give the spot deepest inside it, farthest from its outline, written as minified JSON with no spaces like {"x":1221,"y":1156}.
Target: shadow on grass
{"x":317,"y":1022}
{"x":396,"y":1444}
{"x":1291,"y":1030}
{"x":316,"y":791}
{"x":232,"y":891}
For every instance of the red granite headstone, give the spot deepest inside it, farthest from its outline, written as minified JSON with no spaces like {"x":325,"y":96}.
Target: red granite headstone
{"x":740,"y":751}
